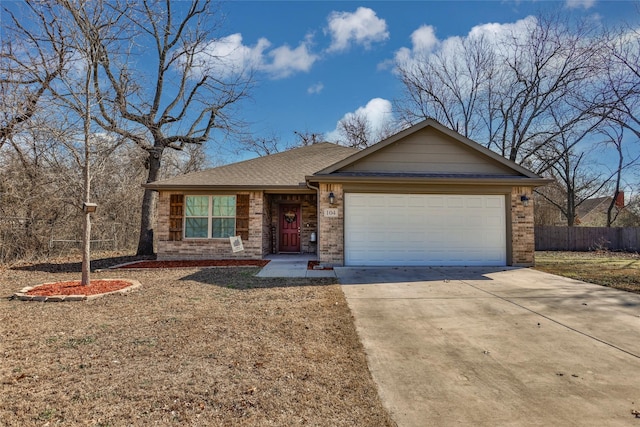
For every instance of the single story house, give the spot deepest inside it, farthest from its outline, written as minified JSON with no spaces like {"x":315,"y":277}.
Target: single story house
{"x":425,"y":196}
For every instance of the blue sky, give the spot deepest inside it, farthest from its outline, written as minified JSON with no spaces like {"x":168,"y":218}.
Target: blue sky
{"x":319,"y":60}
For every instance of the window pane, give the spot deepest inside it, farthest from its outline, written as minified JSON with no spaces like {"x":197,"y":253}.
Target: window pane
{"x":224,"y":205}
{"x":223,"y":227}
{"x":196,"y":227}
{"x":197,"y":206}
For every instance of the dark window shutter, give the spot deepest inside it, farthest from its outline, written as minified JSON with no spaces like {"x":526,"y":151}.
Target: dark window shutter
{"x":242,"y":216}
{"x":176,"y":211}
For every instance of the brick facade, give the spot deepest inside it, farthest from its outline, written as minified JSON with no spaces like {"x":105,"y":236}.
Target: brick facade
{"x":210,"y":248}
{"x":522,"y":229}
{"x":331,"y":229}
{"x":263,"y":228}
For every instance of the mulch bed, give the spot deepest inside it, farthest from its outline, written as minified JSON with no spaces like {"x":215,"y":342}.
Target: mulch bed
{"x":73,"y":290}
{"x":198,"y":263}
{"x":74,"y":287}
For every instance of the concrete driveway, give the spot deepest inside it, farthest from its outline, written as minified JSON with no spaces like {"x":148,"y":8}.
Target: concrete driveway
{"x":482,"y":346}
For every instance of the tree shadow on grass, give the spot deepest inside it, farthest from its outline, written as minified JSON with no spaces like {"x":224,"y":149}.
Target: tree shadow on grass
{"x":76,"y":266}
{"x":243,"y":278}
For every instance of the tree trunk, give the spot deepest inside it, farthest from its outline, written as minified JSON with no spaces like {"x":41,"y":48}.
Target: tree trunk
{"x":145,"y":242}
{"x":86,"y":250}
{"x":571,"y":209}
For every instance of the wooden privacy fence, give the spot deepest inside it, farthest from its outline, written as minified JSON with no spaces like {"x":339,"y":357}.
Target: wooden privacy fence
{"x":549,"y":238}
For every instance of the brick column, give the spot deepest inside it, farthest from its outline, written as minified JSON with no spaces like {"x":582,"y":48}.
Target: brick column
{"x":522,"y":230}
{"x":331,"y":242}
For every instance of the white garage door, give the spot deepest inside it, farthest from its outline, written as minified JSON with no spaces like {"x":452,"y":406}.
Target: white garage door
{"x":418,"y":229}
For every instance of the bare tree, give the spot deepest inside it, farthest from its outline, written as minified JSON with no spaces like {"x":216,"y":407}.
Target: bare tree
{"x":88,"y":30}
{"x":179,"y":98}
{"x":504,"y":91}
{"x":306,"y":138}
{"x":27,"y":70}
{"x":614,"y":137}
{"x":621,"y":65}
{"x":452,"y":86}
{"x":192,"y":158}
{"x":575,"y":184}
{"x":355,"y":130}
{"x":261,"y":145}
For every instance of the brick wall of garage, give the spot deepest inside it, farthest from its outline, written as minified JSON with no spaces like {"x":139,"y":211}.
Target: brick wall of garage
{"x":331,"y":242}
{"x":522,"y":228}
{"x":331,"y":237}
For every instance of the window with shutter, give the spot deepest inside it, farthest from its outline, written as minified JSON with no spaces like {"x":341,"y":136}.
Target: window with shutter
{"x":176,"y":209}
{"x":242,"y":216}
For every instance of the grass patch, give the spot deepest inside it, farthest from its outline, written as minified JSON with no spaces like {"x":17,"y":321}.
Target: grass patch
{"x":612,"y":269}
{"x":197,"y":347}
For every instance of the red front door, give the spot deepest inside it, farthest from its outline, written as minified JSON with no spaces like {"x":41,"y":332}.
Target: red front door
{"x":289,"y":228}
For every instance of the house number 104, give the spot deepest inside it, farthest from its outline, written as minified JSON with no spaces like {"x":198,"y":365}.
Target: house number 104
{"x":331,"y":213}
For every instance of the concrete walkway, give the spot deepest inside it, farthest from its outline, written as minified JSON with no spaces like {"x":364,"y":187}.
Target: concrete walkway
{"x":497,"y":347}
{"x":294,"y":265}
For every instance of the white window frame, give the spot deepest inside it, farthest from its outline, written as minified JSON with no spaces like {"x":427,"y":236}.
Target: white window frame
{"x":210,"y":217}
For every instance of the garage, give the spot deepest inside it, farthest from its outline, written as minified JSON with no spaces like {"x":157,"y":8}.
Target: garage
{"x":424,"y":229}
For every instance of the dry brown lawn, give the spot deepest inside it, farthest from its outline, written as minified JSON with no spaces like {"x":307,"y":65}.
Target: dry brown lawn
{"x":196,"y":347}
{"x":614,"y":269}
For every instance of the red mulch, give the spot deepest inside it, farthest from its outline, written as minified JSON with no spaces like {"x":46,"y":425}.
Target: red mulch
{"x":199,"y":263}
{"x":312,"y":265}
{"x":75,"y":288}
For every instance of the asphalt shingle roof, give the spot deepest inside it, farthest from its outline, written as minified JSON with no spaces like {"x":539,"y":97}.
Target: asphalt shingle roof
{"x":285,"y":169}
{"x":590,"y":204}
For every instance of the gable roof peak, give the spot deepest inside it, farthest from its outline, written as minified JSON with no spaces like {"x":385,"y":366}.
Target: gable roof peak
{"x":430,"y":122}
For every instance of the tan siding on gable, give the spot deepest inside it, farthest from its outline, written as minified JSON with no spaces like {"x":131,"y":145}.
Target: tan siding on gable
{"x":428,"y":151}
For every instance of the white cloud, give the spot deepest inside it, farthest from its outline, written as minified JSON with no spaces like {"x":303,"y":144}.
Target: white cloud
{"x":315,"y":88}
{"x":575,"y":4}
{"x":228,"y":56}
{"x":424,"y":39}
{"x":285,"y":61}
{"x":361,"y":27}
{"x":378,"y":112}
{"x":425,"y":42}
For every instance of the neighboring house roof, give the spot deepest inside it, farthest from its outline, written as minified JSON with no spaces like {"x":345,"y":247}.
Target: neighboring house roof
{"x":281,"y":170}
{"x":599,"y":204}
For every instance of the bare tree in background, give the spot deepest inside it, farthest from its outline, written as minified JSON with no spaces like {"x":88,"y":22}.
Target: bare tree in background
{"x":503,"y":92}
{"x":451,"y":86}
{"x":174,"y":95}
{"x":162,"y":85}
{"x":28,"y":66}
{"x":621,"y":65}
{"x":262,"y":145}
{"x":27,"y":70}
{"x":357,"y":131}
{"x":306,"y":138}
{"x":179,"y":96}
{"x":614,"y":136}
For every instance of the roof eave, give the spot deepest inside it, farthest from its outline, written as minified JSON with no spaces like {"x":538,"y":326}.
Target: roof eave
{"x":513,"y":181}
{"x":191,"y":187}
